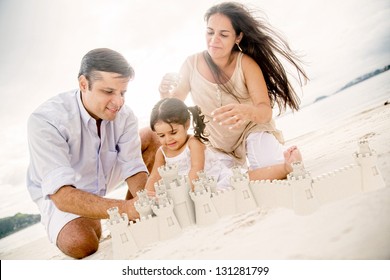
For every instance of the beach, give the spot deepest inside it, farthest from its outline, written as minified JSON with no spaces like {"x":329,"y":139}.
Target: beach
{"x":354,"y":228}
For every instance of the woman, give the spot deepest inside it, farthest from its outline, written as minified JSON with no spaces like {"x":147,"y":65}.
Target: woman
{"x":236,"y":82}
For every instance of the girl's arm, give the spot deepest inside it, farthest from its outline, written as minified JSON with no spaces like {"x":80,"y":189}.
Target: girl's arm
{"x":197,"y":152}
{"x":154,"y":175}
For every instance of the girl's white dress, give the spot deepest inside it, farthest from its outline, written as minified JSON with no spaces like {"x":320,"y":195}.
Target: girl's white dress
{"x":212,"y":168}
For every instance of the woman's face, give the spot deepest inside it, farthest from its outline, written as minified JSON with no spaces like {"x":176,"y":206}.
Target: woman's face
{"x":220,"y":36}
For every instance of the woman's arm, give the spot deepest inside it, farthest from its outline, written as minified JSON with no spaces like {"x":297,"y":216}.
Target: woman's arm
{"x":258,"y":92}
{"x":259,"y":111}
{"x":197,"y":152}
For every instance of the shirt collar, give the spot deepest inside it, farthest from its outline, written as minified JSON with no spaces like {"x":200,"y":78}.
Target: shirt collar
{"x":85,"y":116}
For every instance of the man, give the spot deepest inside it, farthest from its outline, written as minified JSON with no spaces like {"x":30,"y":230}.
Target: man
{"x":82,"y":144}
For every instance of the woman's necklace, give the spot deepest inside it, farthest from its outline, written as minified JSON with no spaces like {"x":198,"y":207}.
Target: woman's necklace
{"x":219,"y":95}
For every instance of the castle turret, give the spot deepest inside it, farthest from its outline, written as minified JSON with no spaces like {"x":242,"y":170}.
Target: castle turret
{"x":143,"y":204}
{"x":210,"y":182}
{"x":168,"y":225}
{"x":244,"y":198}
{"x":178,"y":192}
{"x":206,"y":213}
{"x":161,"y":194}
{"x":168,"y":173}
{"x":123,"y":243}
{"x":370,"y":173}
{"x":304,"y":198}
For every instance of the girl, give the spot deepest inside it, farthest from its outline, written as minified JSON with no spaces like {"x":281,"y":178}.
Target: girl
{"x":170,"y":120}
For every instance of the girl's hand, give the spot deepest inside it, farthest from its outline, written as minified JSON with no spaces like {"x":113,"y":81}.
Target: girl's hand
{"x":151,"y":193}
{"x":232,"y":115}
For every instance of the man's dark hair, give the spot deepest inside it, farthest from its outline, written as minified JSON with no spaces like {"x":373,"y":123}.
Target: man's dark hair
{"x":105,"y":60}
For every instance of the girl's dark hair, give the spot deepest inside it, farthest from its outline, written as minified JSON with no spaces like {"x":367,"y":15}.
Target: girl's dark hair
{"x":173,"y":110}
{"x":262,"y":44}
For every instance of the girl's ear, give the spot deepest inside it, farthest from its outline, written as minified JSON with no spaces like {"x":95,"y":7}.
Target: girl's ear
{"x":187,"y":125}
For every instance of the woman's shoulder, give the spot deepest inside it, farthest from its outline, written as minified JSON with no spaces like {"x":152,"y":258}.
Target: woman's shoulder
{"x":191,"y":58}
{"x":249,"y":65}
{"x":247,"y":60}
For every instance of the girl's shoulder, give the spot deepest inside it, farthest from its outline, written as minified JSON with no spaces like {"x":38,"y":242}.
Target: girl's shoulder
{"x":194,"y":142}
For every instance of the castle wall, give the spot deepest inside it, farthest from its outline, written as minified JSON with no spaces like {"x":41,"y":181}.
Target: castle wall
{"x":338,"y":184}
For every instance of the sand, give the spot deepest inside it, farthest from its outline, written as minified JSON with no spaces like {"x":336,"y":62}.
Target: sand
{"x":354,"y":228}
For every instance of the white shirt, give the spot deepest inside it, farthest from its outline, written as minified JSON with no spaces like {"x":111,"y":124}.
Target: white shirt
{"x":65,"y":148}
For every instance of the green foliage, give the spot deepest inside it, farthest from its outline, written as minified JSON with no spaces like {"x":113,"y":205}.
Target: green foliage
{"x":17,"y":222}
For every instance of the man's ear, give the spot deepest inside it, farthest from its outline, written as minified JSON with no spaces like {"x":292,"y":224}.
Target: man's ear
{"x":83,"y":83}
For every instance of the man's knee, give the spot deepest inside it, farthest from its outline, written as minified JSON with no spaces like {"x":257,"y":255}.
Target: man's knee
{"x":80,"y":237}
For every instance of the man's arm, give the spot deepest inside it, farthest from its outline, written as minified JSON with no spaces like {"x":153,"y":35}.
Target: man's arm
{"x":72,"y":200}
{"x":136,"y":183}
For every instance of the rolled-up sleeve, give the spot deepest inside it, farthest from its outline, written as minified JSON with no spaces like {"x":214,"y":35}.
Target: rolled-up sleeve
{"x":50,"y":167}
{"x":129,"y":149}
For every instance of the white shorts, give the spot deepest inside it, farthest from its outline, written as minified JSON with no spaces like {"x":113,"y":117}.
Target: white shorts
{"x":262,"y":150}
{"x":53,"y":219}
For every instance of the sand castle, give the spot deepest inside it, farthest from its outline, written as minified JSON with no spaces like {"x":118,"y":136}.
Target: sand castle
{"x":175,"y":207}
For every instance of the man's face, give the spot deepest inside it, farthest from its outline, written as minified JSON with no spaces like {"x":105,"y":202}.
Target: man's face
{"x":103,"y":97}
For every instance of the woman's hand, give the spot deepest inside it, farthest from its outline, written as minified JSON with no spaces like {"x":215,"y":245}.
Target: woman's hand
{"x":168,"y":84}
{"x":237,"y":115}
{"x":232,"y":115}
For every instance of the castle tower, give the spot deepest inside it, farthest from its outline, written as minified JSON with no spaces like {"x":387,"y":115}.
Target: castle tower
{"x":168,"y":173}
{"x":178,"y":188}
{"x":205,"y":211}
{"x":123,"y":244}
{"x":199,"y":184}
{"x":178,"y":191}
{"x":168,"y":226}
{"x":143,"y":204}
{"x":367,"y":160}
{"x":304,"y":198}
{"x":210,"y":182}
{"x":161,"y":194}
{"x":245,"y":201}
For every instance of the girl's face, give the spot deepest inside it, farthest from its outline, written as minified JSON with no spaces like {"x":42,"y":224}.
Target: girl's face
{"x":220,"y":36}
{"x":172,"y":136}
